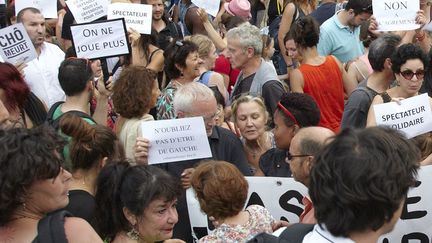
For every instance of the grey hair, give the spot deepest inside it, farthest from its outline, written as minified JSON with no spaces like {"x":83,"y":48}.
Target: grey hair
{"x":189,"y":93}
{"x":382,"y":48}
{"x":249,"y":36}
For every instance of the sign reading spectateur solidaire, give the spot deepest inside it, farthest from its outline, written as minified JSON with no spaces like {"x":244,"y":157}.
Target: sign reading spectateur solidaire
{"x":15,"y":44}
{"x":176,"y":140}
{"x":137,"y":16}
{"x":100,"y":39}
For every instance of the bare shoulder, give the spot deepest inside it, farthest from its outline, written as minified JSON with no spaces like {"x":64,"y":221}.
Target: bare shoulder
{"x":78,"y":230}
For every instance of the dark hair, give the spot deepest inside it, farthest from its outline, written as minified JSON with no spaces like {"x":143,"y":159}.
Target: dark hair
{"x":26,"y":155}
{"x":219,"y":97}
{"x":381,"y":49}
{"x":15,"y":88}
{"x":10,"y":13}
{"x":22,"y":12}
{"x":359,"y":6}
{"x":132,"y":91}
{"x":90,"y":143}
{"x":209,"y":178}
{"x":177,"y":53}
{"x":74,"y":74}
{"x":359,"y":180}
{"x":302,"y":106}
{"x":408,"y":52}
{"x":133,"y":187}
{"x":366,"y":37}
{"x":424,"y":143}
{"x":146,"y":40}
{"x":230,"y":21}
{"x":289,"y":36}
{"x":305,"y":31}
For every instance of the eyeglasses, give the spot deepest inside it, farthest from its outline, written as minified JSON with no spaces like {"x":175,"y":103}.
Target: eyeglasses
{"x":408,"y":74}
{"x":290,"y":156}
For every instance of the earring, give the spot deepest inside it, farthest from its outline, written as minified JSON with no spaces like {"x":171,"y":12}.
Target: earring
{"x":133,"y":234}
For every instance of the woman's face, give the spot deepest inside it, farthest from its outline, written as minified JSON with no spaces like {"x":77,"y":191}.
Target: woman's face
{"x":408,"y":82}
{"x":158,"y":220}
{"x":282,"y":133}
{"x":49,"y":194}
{"x":251,"y":120}
{"x":191,"y":70}
{"x":210,"y":60}
{"x":291,"y":49}
{"x":155,"y":93}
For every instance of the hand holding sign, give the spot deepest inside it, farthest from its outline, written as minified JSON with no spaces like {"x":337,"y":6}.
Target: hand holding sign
{"x":15,"y":45}
{"x":394,"y":15}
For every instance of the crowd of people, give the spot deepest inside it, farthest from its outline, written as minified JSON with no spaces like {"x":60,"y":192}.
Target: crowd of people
{"x":284,"y":88}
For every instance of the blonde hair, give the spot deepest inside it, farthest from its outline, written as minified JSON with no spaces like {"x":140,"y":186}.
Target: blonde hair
{"x":246,"y":99}
{"x":203,"y":42}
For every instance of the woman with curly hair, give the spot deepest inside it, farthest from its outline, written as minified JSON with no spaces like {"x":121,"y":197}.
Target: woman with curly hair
{"x":134,"y":94}
{"x":33,"y":187}
{"x":226,"y":206}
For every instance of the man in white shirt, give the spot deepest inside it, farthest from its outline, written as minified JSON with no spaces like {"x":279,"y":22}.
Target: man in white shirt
{"x":41,"y":74}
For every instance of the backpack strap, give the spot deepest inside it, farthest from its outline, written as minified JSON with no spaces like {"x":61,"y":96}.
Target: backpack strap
{"x":51,"y":228}
{"x":51,"y":111}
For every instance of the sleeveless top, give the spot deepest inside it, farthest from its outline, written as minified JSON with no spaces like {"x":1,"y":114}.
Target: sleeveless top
{"x":324,"y":83}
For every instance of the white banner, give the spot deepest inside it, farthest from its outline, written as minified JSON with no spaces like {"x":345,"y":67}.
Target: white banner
{"x":47,"y":7}
{"x":281,"y":196}
{"x":413,"y":116}
{"x":394,"y":15}
{"x":137,"y":16}
{"x":85,"y":11}
{"x":16,"y":45}
{"x":176,"y":140}
{"x":211,"y":7}
{"x":101,"y":39}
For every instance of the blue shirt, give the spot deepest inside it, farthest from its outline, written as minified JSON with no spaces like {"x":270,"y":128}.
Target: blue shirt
{"x":339,"y":40}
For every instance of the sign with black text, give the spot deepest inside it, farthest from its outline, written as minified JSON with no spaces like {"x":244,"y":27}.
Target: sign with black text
{"x":137,"y":16}
{"x":394,"y":15}
{"x":16,"y":45}
{"x":100,"y":39}
{"x":85,"y":11}
{"x":47,"y":7}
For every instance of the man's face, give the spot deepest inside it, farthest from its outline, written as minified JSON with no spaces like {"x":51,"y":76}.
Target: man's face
{"x":34,"y":23}
{"x":208,"y":110}
{"x":237,"y":54}
{"x":158,"y":8}
{"x":359,"y":19}
{"x":298,"y":165}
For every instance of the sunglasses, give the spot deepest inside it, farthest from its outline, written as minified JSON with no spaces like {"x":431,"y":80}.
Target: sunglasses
{"x":290,"y":156}
{"x":408,"y":74}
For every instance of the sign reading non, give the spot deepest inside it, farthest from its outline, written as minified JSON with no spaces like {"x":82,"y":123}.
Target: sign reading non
{"x":413,"y":116}
{"x":85,"y":11}
{"x":100,"y":39}
{"x":47,"y":7}
{"x":176,"y":140}
{"x":393,"y":15}
{"x":16,"y":45}
{"x":137,"y":16}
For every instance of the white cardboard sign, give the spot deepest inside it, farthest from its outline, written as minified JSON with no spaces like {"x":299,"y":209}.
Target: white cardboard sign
{"x":100,"y":39}
{"x":47,"y":7}
{"x":137,"y":16}
{"x":394,"y":15}
{"x":16,"y":45}
{"x":211,"y":7}
{"x":176,"y":140}
{"x":282,"y":196}
{"x":413,"y":116}
{"x":85,"y":11}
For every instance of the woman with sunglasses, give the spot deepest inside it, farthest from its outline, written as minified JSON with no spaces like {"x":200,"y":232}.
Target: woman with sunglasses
{"x":408,"y":64}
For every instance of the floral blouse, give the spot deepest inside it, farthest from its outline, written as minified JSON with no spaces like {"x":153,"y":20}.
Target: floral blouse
{"x":259,"y":221}
{"x":164,"y":104}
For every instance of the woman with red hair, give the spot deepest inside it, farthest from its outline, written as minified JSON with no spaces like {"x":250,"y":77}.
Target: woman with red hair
{"x":23,"y":106}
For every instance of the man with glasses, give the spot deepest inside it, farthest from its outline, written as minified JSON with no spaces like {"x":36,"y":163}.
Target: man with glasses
{"x":304,"y":146}
{"x":339,"y":35}
{"x":41,"y":73}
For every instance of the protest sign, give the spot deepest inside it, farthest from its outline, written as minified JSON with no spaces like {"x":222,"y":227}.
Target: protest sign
{"x":137,"y":16}
{"x":100,"y":39}
{"x":2,"y":1}
{"x":16,"y":45}
{"x":176,"y":140}
{"x":85,"y":11}
{"x":211,"y":7}
{"x":281,"y":196}
{"x":394,"y":15}
{"x":48,"y":8}
{"x":413,"y":116}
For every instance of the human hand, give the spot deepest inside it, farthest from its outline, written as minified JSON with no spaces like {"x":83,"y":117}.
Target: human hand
{"x":141,"y":148}
{"x":134,"y":36}
{"x":279,"y":224}
{"x":186,"y":177}
{"x":397,"y":100}
{"x":421,"y":19}
{"x":20,"y":66}
{"x":203,"y":15}
{"x":103,"y":90}
{"x":373,"y":26}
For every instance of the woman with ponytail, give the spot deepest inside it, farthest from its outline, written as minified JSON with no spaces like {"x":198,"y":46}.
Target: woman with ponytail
{"x":136,"y":204}
{"x":91,"y":147}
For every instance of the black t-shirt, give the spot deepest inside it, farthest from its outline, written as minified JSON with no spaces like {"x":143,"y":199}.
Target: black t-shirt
{"x":244,"y":86}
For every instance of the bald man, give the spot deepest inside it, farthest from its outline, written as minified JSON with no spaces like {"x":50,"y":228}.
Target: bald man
{"x":306,"y":143}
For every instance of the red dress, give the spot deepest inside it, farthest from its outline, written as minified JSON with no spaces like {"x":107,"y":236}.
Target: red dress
{"x":324,"y":83}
